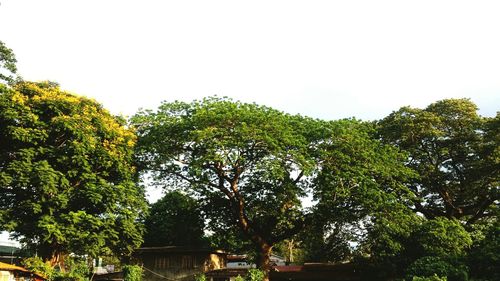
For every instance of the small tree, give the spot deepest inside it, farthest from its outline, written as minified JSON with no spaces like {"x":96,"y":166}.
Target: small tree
{"x":175,"y":220}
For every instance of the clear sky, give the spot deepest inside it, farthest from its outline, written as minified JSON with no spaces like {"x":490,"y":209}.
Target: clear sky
{"x":326,"y":59}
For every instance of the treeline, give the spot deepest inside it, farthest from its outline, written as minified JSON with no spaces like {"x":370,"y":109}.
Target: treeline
{"x":412,"y":195}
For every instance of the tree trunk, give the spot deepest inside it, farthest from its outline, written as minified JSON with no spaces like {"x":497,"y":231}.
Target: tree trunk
{"x":58,"y":260}
{"x":264,"y":259}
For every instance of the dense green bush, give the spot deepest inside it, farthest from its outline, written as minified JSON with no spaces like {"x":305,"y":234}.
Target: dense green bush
{"x":37,"y":265}
{"x":200,"y":277}
{"x":484,"y":257}
{"x":239,"y":278}
{"x":440,"y":237}
{"x":132,"y":273}
{"x":430,"y":266}
{"x":75,"y":269}
{"x":254,"y":275}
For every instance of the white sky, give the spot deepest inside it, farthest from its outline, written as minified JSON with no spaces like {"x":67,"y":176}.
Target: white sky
{"x":326,"y":59}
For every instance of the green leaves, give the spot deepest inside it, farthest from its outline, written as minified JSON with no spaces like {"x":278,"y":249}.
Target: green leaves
{"x":8,"y":62}
{"x":248,"y":164}
{"x":66,"y":173}
{"x":451,"y":148}
{"x":175,"y":220}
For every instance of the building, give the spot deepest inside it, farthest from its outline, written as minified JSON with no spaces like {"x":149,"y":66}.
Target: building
{"x":178,"y":263}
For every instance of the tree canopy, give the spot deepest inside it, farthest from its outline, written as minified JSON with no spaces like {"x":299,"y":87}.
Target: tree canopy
{"x":249,"y":161}
{"x":251,"y":165}
{"x":456,"y":154}
{"x":175,"y":220}
{"x":8,"y":66}
{"x":67,"y":183}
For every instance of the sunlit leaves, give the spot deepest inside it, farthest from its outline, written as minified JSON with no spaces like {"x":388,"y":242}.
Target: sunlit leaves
{"x":66,"y":173}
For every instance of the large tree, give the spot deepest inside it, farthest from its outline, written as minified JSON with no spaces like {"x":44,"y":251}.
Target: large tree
{"x":252,"y":164}
{"x":455,"y":152}
{"x":67,"y":183}
{"x":249,"y":161}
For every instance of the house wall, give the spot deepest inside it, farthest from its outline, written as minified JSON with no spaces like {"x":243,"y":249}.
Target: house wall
{"x":178,"y":266}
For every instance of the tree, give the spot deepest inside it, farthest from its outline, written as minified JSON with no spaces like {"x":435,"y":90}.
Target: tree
{"x":456,"y":154}
{"x":175,"y":220}
{"x":483,"y":258}
{"x":250,"y":162}
{"x":67,"y":183}
{"x":359,"y":187}
{"x":8,"y":62}
{"x":251,"y":165}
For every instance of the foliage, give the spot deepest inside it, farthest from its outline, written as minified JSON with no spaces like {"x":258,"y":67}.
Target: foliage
{"x":484,"y":257}
{"x":8,"y":62}
{"x":200,"y":277}
{"x":330,"y":243}
{"x":132,"y":273}
{"x":291,"y":250}
{"x":175,"y":219}
{"x":395,"y":244}
{"x":249,"y":164}
{"x":37,"y":265}
{"x":456,"y":155}
{"x":431,"y":278}
{"x":360,"y":184}
{"x":67,"y":183}
{"x":74,"y":269}
{"x":441,"y":237}
{"x":430,"y":266}
{"x":239,"y":278}
{"x":254,"y":275}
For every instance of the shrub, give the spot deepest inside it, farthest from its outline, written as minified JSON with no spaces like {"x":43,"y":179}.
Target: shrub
{"x":430,"y":266}
{"x":132,"y":273}
{"x":37,"y":265}
{"x":200,"y":277}
{"x":254,"y":275}
{"x":239,"y":278}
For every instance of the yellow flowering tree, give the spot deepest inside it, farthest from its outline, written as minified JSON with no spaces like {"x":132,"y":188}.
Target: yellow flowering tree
{"x":67,"y":182}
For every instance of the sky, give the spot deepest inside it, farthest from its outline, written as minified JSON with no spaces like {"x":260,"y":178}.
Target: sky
{"x":324,"y":59}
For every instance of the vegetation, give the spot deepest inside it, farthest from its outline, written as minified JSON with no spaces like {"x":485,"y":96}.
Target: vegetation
{"x":67,"y":183}
{"x":200,"y":277}
{"x":75,"y":269}
{"x":250,"y":165}
{"x":456,"y":155}
{"x":249,"y":161}
{"x":8,"y":66}
{"x":132,"y":273}
{"x":413,"y":196}
{"x":175,"y":220}
{"x":254,"y":275}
